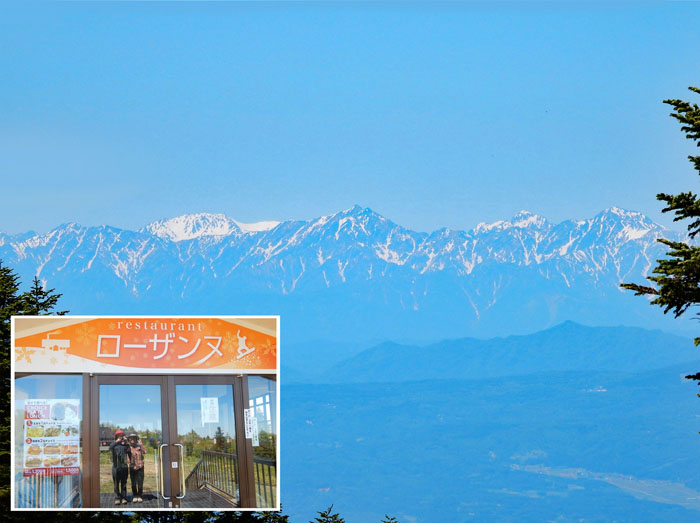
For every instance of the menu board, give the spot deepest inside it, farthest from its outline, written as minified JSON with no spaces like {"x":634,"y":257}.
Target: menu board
{"x":51,"y":437}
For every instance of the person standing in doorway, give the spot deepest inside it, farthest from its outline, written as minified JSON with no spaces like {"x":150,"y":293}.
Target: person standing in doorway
{"x":136,"y":469}
{"x":121,"y":455}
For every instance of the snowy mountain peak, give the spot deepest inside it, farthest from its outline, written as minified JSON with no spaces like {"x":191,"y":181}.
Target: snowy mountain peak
{"x":191,"y":226}
{"x":521,"y":220}
{"x":356,"y":209}
{"x":355,"y":215}
{"x":67,"y":227}
{"x":629,"y":225}
{"x":617,"y":214}
{"x":359,"y":211}
{"x":486,"y":227}
{"x":355,"y":222}
{"x":622,"y":212}
{"x":527,"y":219}
{"x":257,"y":226}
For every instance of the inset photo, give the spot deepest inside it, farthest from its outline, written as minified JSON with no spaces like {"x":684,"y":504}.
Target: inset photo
{"x":145,"y":413}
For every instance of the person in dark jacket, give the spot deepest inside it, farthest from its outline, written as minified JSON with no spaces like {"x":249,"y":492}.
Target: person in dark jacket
{"x":121,"y":456}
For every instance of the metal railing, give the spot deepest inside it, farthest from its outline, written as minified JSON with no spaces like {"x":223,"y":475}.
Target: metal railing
{"x":218,"y":471}
{"x":265,"y":482}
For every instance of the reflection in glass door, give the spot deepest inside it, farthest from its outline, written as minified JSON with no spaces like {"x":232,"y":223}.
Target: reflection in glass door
{"x":207,"y":441}
{"x":130,"y":441}
{"x":262,"y":397}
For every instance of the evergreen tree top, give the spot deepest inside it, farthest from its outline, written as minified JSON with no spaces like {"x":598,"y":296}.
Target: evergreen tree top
{"x":677,"y":277}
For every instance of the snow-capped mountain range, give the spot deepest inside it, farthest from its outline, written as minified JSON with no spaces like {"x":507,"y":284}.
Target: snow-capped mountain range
{"x":355,"y":273}
{"x":191,"y":226}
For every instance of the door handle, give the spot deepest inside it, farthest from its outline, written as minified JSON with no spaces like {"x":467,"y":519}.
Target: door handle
{"x":160,"y":455}
{"x":181,"y":473}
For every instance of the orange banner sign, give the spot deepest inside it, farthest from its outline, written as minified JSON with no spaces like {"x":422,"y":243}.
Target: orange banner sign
{"x":144,"y":343}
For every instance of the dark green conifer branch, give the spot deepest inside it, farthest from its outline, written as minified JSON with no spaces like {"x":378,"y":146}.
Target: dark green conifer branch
{"x":677,"y":277}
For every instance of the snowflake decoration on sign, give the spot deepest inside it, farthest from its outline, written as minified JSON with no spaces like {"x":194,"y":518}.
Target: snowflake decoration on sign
{"x":251,"y":361}
{"x":24,"y":353}
{"x":269,"y":348}
{"x":86,"y":334}
{"x":229,"y":344}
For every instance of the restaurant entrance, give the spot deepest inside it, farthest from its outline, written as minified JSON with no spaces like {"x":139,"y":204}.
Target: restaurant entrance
{"x":190,"y":431}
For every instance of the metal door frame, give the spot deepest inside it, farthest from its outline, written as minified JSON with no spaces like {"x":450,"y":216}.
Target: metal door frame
{"x":92,"y":464}
{"x":168,"y":404}
{"x":90,"y":486}
{"x":244,"y":446}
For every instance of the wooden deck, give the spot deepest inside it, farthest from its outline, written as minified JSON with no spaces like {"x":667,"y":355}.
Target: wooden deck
{"x":202,"y":498}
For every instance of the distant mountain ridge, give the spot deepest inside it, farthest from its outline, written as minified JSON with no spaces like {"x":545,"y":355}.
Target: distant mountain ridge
{"x":568,"y":346}
{"x":355,"y":274}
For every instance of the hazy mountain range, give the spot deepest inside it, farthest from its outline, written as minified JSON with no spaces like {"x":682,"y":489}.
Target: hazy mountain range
{"x":573,"y":423}
{"x":565,"y":347}
{"x":553,"y":446}
{"x":356,"y":275}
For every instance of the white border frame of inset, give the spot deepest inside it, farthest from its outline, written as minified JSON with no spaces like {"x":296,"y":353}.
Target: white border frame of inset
{"x":276,"y":372}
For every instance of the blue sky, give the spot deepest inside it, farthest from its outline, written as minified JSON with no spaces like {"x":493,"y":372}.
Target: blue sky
{"x":433,"y":115}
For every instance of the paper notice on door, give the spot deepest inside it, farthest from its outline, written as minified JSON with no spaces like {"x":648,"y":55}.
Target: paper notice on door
{"x":256,"y":441}
{"x":248,"y":419}
{"x":210,"y":410}
{"x":251,"y":426}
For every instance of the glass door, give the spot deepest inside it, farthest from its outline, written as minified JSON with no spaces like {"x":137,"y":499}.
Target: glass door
{"x":262,"y":401}
{"x":205,"y":429}
{"x":133,"y":458}
{"x":181,"y":441}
